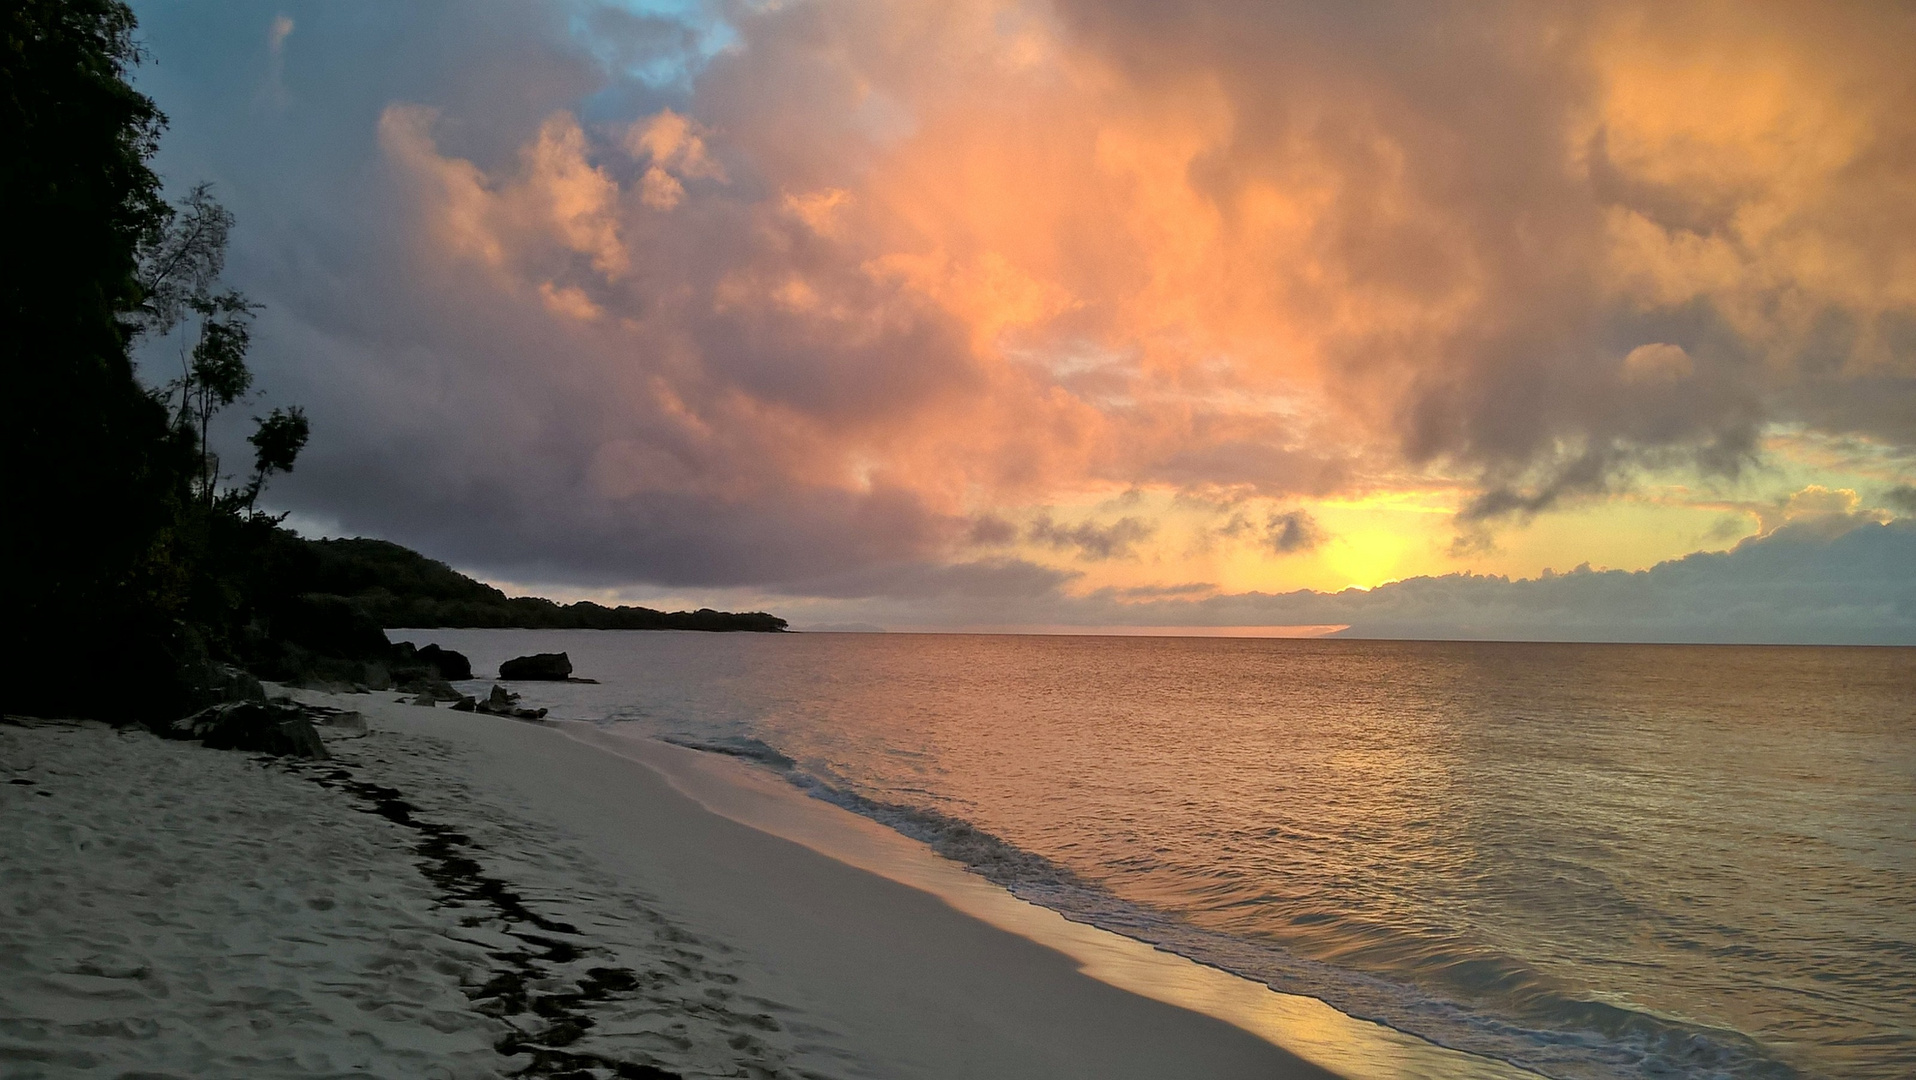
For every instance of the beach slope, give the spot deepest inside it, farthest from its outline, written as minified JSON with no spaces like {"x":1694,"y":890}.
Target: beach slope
{"x":463,"y":895}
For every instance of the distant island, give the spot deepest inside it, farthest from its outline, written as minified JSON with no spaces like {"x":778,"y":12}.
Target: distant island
{"x":397,"y":587}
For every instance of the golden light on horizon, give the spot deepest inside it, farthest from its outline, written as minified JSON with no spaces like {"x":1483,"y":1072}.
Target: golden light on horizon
{"x":1230,"y":293}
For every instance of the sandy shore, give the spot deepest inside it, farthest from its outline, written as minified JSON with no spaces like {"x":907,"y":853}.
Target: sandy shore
{"x":458,"y":895}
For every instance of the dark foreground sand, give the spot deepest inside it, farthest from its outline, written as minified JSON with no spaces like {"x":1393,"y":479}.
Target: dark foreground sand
{"x":459,"y":895}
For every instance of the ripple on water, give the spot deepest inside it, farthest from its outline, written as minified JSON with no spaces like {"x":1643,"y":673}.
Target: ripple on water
{"x":1592,"y":860}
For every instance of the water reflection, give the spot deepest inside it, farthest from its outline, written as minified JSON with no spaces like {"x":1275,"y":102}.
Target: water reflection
{"x":1607,"y":859}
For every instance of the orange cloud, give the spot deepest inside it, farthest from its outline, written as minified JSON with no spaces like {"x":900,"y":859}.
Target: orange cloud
{"x":990,"y":258}
{"x":557,"y":197}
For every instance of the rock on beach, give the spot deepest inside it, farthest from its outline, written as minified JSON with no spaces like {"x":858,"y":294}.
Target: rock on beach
{"x":550,"y":667}
{"x":281,"y":728}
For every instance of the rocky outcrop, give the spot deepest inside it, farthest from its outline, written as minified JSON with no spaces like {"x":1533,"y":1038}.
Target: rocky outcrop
{"x":502,"y":702}
{"x":330,"y":627}
{"x":236,"y":684}
{"x":427,"y":670}
{"x":344,"y":723}
{"x":446,"y":663}
{"x":549,"y":667}
{"x":281,"y":728}
{"x":429,"y":686}
{"x":200,"y":684}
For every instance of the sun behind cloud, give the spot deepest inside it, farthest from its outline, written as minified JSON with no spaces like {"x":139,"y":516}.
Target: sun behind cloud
{"x":1331,"y":305}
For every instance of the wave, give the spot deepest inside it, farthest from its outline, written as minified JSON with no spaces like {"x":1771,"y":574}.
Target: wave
{"x":738,"y":746}
{"x":1502,"y":1008}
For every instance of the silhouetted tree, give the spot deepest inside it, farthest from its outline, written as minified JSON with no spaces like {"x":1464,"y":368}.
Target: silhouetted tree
{"x":277,"y":441}
{"x":216,"y":377}
{"x":180,"y":271}
{"x":180,"y":264}
{"x":127,"y":566}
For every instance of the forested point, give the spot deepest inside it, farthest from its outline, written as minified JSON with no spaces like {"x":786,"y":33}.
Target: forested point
{"x":398,"y":587}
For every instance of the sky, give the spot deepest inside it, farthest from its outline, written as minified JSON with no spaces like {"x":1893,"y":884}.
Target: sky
{"x":1586,"y":321}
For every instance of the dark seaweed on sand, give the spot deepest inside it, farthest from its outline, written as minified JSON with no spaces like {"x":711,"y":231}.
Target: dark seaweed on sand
{"x":445,"y":858}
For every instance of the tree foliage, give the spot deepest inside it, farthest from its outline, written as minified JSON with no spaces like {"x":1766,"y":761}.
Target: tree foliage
{"x":397,"y":587}
{"x":120,"y":545}
{"x":91,"y":468}
{"x":180,"y":265}
{"x":277,"y":441}
{"x":182,"y":297}
{"x":216,"y":377}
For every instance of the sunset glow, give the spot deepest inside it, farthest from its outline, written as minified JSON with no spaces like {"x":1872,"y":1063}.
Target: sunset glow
{"x":812,"y":296}
{"x":957,"y":539}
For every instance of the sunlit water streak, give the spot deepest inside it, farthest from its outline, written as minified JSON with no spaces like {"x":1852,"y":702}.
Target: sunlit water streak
{"x":1588,"y":860}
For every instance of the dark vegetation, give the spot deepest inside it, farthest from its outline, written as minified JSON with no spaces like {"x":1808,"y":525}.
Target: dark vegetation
{"x":397,"y":587}
{"x":137,"y":572}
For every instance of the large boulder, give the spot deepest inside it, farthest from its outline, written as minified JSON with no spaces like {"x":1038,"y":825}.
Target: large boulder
{"x":437,"y":688}
{"x":331,"y":626}
{"x":206,"y":683}
{"x":450,"y":665}
{"x":236,"y":684}
{"x":265,"y":727}
{"x":549,"y":666}
{"x":346,"y":723}
{"x":315,"y":639}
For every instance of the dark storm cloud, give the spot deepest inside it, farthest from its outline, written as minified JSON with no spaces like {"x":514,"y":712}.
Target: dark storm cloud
{"x":1090,"y":540}
{"x":486,"y":432}
{"x":1284,"y":532}
{"x":1292,"y":531}
{"x":580,"y":295}
{"x":1480,"y":148}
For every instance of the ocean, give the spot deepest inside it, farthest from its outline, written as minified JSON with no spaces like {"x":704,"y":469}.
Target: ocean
{"x":1585,"y":860}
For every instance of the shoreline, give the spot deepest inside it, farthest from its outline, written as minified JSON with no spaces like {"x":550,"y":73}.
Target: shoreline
{"x":870,"y":953}
{"x":1457,"y":878}
{"x":911,"y":985}
{"x":1307,"y":1027}
{"x":469,"y":896}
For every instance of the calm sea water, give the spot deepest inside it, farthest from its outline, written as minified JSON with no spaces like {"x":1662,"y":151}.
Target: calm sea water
{"x":1589,"y":860}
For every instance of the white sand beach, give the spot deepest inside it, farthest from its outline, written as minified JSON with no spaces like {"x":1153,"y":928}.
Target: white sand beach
{"x":461,"y":895}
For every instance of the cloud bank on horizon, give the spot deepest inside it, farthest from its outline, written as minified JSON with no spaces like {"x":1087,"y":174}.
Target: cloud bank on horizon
{"x":1826,"y":582}
{"x":1072,"y":312}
